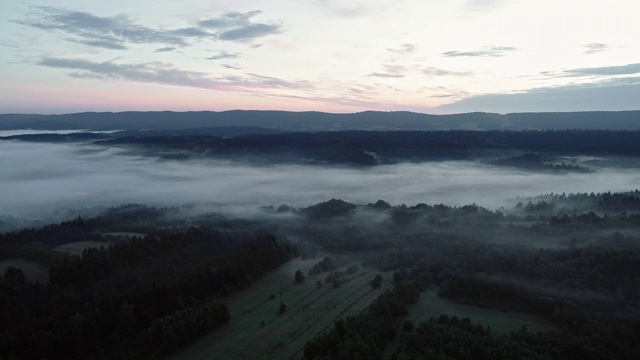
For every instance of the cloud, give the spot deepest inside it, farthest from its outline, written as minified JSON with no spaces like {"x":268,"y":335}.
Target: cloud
{"x":113,"y":45}
{"x":359,"y":98}
{"x":400,"y":71}
{"x":390,"y":71}
{"x":231,"y":67}
{"x":610,"y":95}
{"x":191,"y":32}
{"x":147,"y":72}
{"x":165,"y":49}
{"x":594,"y":47}
{"x":487,"y":51}
{"x":168,"y":74}
{"x":352,"y":12}
{"x":404,"y":49}
{"x":224,"y":55}
{"x":443,"y":96}
{"x":448,"y":93}
{"x":249,"y":32}
{"x":385,"y":75}
{"x":237,"y":26}
{"x":274,"y":82}
{"x":116,"y":32}
{"x":433,"y":71}
{"x":629,"y":69}
{"x":105,"y":32}
{"x":230,"y":19}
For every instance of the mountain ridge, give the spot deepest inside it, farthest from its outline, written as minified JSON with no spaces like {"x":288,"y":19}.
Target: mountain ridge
{"x":322,"y":121}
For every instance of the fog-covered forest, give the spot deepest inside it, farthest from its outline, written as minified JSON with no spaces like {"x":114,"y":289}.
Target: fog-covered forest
{"x":191,"y":243}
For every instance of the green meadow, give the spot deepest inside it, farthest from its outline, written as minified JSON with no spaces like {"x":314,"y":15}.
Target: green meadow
{"x":256,"y":329}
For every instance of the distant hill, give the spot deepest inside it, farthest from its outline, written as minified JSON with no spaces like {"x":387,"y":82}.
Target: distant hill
{"x":219,"y":131}
{"x":319,"y":121}
{"x":602,"y":120}
{"x":382,"y":147}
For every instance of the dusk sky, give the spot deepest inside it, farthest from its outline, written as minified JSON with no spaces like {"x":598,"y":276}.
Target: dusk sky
{"x":335,"y":56}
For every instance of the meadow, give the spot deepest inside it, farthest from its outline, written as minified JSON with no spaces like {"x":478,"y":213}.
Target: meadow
{"x":256,"y":329}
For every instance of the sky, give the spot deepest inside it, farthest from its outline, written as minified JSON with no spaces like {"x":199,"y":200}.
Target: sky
{"x":428,"y":56}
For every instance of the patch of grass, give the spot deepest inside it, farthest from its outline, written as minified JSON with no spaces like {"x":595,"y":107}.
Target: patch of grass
{"x":431,"y":305}
{"x":257,"y":331}
{"x":76,"y":248}
{"x":126,"y":234}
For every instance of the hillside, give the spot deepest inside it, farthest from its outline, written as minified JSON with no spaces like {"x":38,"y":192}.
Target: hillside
{"x":319,"y":121}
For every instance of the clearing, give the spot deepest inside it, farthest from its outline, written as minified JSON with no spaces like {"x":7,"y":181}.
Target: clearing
{"x":257,"y":331}
{"x":432,"y":305}
{"x":76,"y":248}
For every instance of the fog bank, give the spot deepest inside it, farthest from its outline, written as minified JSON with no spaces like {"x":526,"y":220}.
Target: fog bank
{"x":39,"y":178}
{"x":4,"y":133}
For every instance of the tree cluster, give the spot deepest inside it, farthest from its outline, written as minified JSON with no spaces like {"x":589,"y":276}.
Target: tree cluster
{"x":364,"y":336}
{"x":141,"y":298}
{"x":454,"y":338}
{"x":537,"y":162}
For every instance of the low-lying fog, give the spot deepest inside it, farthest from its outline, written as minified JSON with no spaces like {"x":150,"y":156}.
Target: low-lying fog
{"x":38,"y":179}
{"x":4,"y":133}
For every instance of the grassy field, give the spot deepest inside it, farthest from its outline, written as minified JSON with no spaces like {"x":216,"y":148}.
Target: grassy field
{"x":257,"y":331}
{"x":126,"y":234}
{"x":34,"y":271}
{"x":76,"y":248}
{"x":431,"y":305}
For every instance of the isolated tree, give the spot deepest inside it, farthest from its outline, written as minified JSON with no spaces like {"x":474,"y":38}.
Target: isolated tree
{"x":282,"y":309}
{"x":299,"y":276}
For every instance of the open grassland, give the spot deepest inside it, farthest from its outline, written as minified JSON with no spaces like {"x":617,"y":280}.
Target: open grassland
{"x":34,"y":271}
{"x":431,"y":305}
{"x":257,"y":331}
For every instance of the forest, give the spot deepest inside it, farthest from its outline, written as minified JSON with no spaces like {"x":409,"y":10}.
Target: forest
{"x":131,"y":297}
{"x":137,"y":297}
{"x":530,"y":149}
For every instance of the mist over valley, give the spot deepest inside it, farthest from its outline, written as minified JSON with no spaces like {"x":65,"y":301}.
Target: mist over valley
{"x":43,"y":179}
